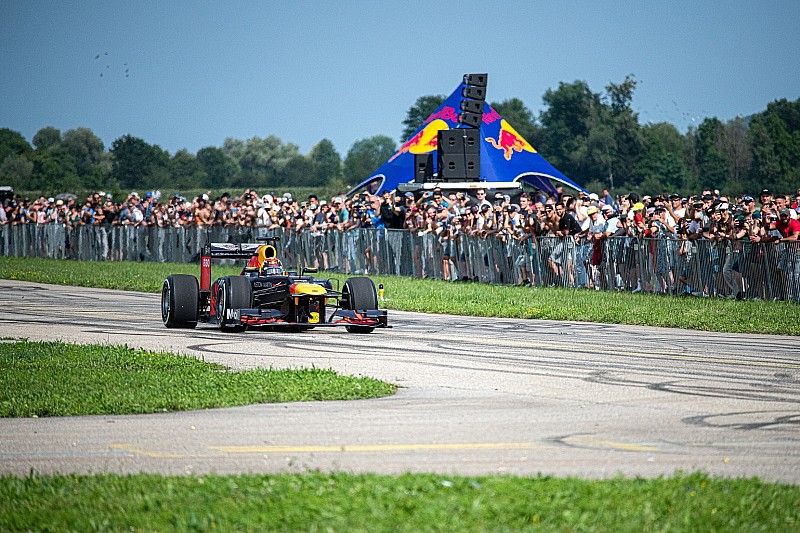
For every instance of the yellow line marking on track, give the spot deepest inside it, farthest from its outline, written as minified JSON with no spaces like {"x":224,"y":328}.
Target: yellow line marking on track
{"x":366,"y":448}
{"x":145,"y":453}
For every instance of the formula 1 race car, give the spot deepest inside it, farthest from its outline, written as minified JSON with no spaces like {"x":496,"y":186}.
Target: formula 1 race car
{"x":266,"y":295}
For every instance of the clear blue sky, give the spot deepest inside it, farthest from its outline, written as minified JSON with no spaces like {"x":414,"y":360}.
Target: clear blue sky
{"x":198,"y":72}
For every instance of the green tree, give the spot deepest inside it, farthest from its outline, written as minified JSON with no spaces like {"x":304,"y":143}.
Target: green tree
{"x":520,"y":117}
{"x":417,"y":113}
{"x":233,"y":148}
{"x":711,"y":164}
{"x":739,"y":153}
{"x":54,"y":170}
{"x":85,"y":148}
{"x":13,"y":143}
{"x":298,"y":171}
{"x":775,"y":137}
{"x":16,"y":170}
{"x":137,"y":164}
{"x":185,"y":171}
{"x":365,"y":156}
{"x":263,"y":161}
{"x":47,"y":138}
{"x":221,"y":170}
{"x":326,"y":163}
{"x":624,"y":123}
{"x":565,"y":126}
{"x":663,"y":159}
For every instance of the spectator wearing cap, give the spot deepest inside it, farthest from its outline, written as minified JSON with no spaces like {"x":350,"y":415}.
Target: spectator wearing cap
{"x":661,"y":249}
{"x":481,"y":218}
{"x":264,"y":213}
{"x":636,"y":218}
{"x":342,"y":213}
{"x":789,"y":230}
{"x":731,"y":234}
{"x":562,"y":258}
{"x":578,"y":208}
{"x":765,"y":198}
{"x":748,"y":205}
{"x":438,"y":198}
{"x":675,"y":207}
{"x":788,"y":227}
{"x":595,"y":235}
{"x":443,"y":229}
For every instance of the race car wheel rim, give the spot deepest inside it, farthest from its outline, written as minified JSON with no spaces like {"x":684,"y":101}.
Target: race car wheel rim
{"x":165,"y":303}
{"x":221,"y":305}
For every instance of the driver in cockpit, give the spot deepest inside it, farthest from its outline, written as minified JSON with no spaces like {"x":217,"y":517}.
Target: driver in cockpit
{"x":264,"y":262}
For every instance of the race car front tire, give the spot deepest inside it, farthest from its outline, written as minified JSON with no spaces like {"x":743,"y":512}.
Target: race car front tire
{"x":359,"y":294}
{"x":179,"y":297}
{"x":236,"y":293}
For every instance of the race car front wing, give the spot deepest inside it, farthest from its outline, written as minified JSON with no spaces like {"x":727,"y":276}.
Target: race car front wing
{"x":373,"y":318}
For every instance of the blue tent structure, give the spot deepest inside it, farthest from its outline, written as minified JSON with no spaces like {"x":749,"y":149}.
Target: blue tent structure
{"x":505,"y":155}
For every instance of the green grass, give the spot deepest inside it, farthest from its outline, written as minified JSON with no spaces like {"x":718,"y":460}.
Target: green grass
{"x":425,"y":502}
{"x":57,"y":379}
{"x":472,"y":299}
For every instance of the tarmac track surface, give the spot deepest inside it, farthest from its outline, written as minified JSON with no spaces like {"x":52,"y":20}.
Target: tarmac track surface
{"x":477,"y":396}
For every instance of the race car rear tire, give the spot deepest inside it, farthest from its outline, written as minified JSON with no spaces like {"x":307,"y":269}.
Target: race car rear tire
{"x":359,"y":294}
{"x":236,"y":293}
{"x":179,"y":297}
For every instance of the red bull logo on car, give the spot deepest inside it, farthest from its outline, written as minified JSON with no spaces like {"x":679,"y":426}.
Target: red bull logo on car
{"x":509,"y":141}
{"x":424,"y":141}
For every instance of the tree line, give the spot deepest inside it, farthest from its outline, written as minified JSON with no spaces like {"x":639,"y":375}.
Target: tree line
{"x":595,"y":138}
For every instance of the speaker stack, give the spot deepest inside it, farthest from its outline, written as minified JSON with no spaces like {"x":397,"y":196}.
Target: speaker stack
{"x":459,"y":153}
{"x":459,"y":150}
{"x":474,"y":96}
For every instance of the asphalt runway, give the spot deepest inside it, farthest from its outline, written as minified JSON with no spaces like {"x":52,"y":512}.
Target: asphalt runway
{"x":477,"y":396}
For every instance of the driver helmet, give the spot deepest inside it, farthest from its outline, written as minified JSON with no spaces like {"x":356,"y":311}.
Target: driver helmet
{"x":272,"y":266}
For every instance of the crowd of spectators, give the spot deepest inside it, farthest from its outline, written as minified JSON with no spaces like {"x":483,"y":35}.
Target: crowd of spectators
{"x":580,"y":223}
{"x":709,"y":215}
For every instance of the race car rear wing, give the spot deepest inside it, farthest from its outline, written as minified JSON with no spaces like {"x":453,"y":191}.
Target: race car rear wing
{"x":227,"y":250}
{"x":221,"y":250}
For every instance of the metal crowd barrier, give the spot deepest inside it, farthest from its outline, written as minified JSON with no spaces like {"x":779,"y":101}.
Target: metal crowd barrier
{"x":741,"y":269}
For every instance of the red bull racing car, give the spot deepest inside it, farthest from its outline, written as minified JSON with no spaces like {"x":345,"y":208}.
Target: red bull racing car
{"x":264,"y":295}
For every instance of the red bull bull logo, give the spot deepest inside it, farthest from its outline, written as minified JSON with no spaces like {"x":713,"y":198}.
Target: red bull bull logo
{"x":424,"y":141}
{"x":509,"y":141}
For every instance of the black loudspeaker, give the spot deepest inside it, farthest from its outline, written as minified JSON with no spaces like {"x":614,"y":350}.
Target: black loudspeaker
{"x":471,"y":119}
{"x":423,"y":167}
{"x":450,"y":141}
{"x":472,"y":167}
{"x":476,"y":79}
{"x":459,"y":141}
{"x":472,"y":140}
{"x":476,"y":93}
{"x":451,"y":167}
{"x":473,"y":106}
{"x":459,"y":167}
